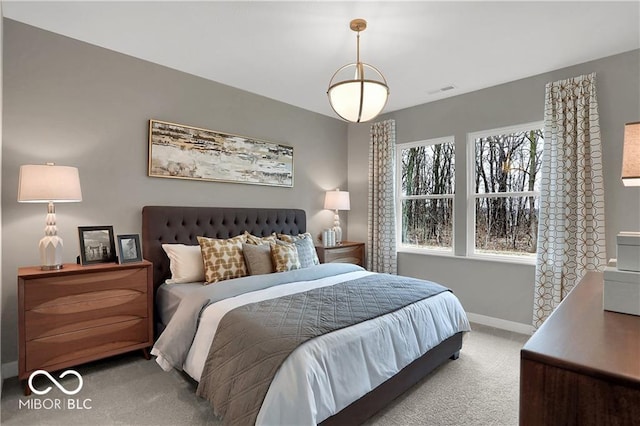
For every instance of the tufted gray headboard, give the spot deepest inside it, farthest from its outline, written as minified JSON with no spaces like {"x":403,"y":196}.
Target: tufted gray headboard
{"x":182,"y":225}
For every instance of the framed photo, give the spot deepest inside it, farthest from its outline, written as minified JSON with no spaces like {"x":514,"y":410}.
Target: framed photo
{"x":129,"y":248}
{"x":96,"y":244}
{"x":184,"y":152}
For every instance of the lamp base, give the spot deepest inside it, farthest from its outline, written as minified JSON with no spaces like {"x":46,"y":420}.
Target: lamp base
{"x":336,"y":228}
{"x":338,"y":232}
{"x":51,"y":252}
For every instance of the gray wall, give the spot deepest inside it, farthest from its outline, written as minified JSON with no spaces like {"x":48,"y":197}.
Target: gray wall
{"x":497,"y":289}
{"x":77,"y":104}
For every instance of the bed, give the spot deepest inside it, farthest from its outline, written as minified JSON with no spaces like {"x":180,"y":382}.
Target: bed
{"x":351,"y":405}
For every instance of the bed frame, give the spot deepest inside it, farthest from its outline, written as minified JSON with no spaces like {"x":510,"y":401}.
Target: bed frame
{"x":182,"y":225}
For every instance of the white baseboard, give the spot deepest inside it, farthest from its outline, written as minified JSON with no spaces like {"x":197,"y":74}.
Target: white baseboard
{"x":10,"y":369}
{"x":517,"y":327}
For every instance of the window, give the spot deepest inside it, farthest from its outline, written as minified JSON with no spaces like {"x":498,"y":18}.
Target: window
{"x":505,"y":190}
{"x":425,"y":193}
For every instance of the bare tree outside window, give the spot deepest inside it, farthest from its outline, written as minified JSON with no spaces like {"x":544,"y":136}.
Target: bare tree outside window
{"x":427,"y":182}
{"x":504,"y":187}
{"x":507,"y":192}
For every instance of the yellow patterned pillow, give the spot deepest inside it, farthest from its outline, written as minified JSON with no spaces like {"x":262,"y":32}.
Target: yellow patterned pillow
{"x":287,"y":238}
{"x":252,"y":239}
{"x":223,"y":259}
{"x":285,"y":257}
{"x":293,"y":238}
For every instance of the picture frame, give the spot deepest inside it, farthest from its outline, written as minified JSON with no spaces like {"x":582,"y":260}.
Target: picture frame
{"x":97,"y":244}
{"x":184,"y":152}
{"x":129,"y":248}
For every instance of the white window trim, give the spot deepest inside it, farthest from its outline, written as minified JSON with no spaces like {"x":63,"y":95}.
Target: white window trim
{"x":472,"y":196}
{"x":399,"y":198}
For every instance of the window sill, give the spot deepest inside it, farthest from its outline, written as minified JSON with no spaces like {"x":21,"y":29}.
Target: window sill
{"x":503,"y":259}
{"x":476,"y":257}
{"x":426,"y":251}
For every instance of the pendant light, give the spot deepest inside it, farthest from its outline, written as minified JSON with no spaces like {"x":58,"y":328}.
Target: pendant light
{"x":358,"y":92}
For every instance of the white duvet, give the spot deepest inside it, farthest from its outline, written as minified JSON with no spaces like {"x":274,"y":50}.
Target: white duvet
{"x":326,"y":374}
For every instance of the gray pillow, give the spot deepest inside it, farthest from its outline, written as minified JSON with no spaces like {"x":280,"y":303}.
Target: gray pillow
{"x":257,"y":258}
{"x":306,"y":252}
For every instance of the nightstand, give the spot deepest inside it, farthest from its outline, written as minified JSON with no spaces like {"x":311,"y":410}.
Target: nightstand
{"x":347,"y":252}
{"x":82,"y":313}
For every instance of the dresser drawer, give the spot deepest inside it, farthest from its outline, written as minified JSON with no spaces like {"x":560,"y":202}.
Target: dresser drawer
{"x":48,"y":320}
{"x":60,"y":349}
{"x":82,"y":288}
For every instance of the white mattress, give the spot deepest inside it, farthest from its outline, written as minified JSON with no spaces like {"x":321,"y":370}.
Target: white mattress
{"x":326,"y":374}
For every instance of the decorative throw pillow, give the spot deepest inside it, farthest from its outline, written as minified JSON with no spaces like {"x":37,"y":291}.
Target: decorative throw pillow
{"x":306,"y":251}
{"x":185,"y":263}
{"x":222,"y":258}
{"x":287,"y":238}
{"x":285,"y":257}
{"x":293,"y":238}
{"x":257,"y":258}
{"x":252,"y":239}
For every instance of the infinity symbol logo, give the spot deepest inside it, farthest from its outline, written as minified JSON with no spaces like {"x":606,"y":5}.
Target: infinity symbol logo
{"x":55,"y":382}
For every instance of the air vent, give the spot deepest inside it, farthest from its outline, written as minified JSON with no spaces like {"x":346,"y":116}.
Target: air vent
{"x":442,"y":89}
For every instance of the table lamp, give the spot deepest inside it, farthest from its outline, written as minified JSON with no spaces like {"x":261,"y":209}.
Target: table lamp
{"x":621,"y":291}
{"x":337,"y":200}
{"x":48,"y":184}
{"x":631,"y":155}
{"x":629,"y":242}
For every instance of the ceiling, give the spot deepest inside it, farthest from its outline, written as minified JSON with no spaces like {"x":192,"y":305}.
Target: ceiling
{"x":288,"y":51}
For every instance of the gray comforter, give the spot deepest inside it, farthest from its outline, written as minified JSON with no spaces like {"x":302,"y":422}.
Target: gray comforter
{"x":175,"y":341}
{"x":253,"y":340}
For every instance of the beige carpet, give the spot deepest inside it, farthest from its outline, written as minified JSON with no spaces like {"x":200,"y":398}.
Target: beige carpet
{"x":480,"y":388}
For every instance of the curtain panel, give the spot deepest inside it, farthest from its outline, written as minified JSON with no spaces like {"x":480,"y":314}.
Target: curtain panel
{"x":381,"y":226}
{"x":571,"y":234}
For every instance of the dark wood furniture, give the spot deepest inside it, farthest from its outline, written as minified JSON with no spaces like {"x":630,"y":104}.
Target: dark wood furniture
{"x":347,"y":252}
{"x":582,"y":366}
{"x":82,"y":313}
{"x":182,"y":225}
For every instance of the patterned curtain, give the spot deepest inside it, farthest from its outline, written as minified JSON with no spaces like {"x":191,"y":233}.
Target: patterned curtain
{"x":571,"y":237}
{"x":381,"y":239}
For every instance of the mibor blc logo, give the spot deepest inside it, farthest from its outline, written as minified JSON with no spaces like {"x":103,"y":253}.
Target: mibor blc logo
{"x":55,"y":382}
{"x":55,"y":403}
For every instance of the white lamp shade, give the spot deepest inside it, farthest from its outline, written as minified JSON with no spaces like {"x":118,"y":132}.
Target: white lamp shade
{"x":350,"y":94}
{"x":631,"y":155}
{"x":45,"y":183}
{"x":337,"y":200}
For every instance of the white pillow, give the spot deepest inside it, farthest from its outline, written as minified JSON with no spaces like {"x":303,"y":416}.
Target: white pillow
{"x":185,"y":263}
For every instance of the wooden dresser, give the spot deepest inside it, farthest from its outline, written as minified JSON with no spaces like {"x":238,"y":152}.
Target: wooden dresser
{"x":82,"y":313}
{"x":347,"y":252}
{"x":582,"y":366}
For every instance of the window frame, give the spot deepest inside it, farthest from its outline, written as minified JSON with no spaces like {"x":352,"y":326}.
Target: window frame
{"x":400,"y":247}
{"x":472,"y":196}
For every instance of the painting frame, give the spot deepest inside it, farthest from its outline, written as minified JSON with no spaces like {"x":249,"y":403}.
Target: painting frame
{"x":129,"y":248}
{"x":103,"y":252}
{"x":179,"y":151}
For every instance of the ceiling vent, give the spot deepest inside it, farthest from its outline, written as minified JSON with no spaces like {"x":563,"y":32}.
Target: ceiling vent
{"x":442,"y":89}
